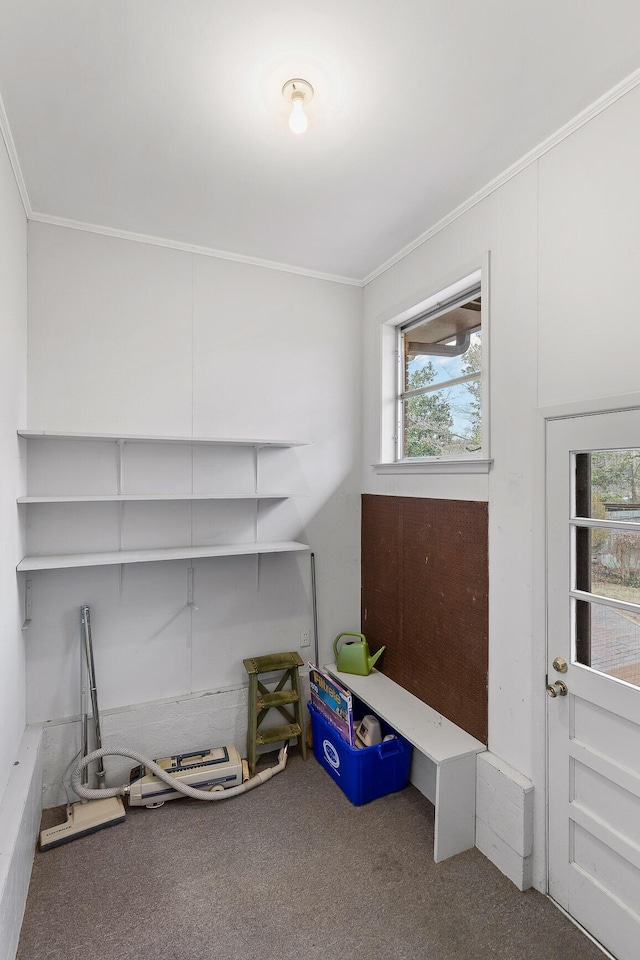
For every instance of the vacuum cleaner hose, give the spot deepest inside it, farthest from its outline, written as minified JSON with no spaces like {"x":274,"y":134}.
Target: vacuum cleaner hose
{"x":174,"y":782}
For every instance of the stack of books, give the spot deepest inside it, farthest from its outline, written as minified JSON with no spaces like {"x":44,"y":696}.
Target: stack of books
{"x":333,"y":702}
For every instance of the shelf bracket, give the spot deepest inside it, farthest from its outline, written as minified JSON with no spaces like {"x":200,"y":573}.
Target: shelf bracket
{"x":120,"y":445}
{"x":120,"y":530}
{"x":255,"y":468}
{"x":120,"y":523}
{"x":27,"y":605}
{"x":190,"y":601}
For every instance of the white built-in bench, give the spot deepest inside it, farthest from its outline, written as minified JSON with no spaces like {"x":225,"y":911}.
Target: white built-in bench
{"x":445,"y":766}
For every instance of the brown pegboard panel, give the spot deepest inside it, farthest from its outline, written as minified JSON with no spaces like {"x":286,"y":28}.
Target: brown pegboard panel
{"x":380,"y":545}
{"x":425,"y":596}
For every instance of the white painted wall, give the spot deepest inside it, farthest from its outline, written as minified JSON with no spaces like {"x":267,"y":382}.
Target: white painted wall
{"x":563,"y":238}
{"x":134,"y":338}
{"x":589,"y":242}
{"x":13,"y":394}
{"x":20,"y":778}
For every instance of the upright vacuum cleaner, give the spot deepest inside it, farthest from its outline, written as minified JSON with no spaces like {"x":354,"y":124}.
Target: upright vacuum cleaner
{"x":210,"y":774}
{"x":86,"y":816}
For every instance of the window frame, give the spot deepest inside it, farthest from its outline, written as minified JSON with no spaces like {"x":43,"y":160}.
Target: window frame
{"x":440,"y":310}
{"x":431,"y":305}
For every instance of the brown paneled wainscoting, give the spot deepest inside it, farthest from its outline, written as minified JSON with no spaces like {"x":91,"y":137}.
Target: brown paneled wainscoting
{"x":425,"y":587}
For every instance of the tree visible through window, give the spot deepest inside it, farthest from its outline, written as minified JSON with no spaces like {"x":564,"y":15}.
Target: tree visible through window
{"x":440,"y":397}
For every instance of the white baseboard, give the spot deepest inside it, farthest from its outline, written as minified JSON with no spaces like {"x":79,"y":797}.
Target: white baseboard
{"x":20,"y":811}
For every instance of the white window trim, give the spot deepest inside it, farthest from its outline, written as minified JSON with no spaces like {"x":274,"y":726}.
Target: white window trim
{"x":434,"y":465}
{"x":389,"y":464}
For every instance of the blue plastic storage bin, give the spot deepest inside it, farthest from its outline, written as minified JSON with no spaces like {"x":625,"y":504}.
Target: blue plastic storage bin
{"x":362,"y":773}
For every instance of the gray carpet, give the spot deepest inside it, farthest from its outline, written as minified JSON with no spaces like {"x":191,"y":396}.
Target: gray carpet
{"x":291,"y":871}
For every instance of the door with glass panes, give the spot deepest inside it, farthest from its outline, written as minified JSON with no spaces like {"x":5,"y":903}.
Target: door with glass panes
{"x":593,"y":682}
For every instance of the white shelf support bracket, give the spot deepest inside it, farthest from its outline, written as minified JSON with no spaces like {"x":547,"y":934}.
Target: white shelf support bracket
{"x":120,"y":523}
{"x":120,"y":446}
{"x":121,"y":566}
{"x":190,"y":600}
{"x":27,"y":605}
{"x":256,"y":477}
{"x":256,"y":484}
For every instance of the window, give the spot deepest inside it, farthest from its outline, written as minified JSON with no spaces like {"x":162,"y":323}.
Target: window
{"x":439,"y":400}
{"x":607,"y":562}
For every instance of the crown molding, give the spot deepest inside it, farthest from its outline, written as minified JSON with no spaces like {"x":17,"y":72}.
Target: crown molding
{"x":189,"y":248}
{"x":9,"y":143}
{"x":609,"y":98}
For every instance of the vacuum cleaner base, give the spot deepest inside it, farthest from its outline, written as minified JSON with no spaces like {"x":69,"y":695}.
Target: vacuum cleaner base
{"x":83,"y":819}
{"x":217,"y":768}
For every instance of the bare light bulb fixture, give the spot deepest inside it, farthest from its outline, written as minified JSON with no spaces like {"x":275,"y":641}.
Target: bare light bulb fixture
{"x":298,"y":93}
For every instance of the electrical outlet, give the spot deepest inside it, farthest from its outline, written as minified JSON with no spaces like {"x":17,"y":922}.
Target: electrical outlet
{"x":304,"y":638}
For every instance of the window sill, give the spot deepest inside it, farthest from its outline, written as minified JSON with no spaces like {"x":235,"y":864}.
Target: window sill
{"x":434,"y":466}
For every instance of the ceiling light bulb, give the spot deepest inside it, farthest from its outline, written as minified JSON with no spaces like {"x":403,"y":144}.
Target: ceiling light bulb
{"x":298,"y":122}
{"x":298,"y":93}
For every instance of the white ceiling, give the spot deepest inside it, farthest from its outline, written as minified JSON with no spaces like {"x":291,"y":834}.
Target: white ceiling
{"x":165,"y":117}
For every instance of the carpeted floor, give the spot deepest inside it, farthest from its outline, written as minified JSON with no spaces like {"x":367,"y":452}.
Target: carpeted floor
{"x":290,"y":871}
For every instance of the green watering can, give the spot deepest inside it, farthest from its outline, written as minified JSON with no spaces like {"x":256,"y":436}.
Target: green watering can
{"x":352,"y":656}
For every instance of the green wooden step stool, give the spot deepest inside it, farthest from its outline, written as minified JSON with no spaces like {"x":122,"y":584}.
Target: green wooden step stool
{"x":262,"y":700}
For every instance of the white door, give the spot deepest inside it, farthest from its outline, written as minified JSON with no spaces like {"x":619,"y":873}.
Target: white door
{"x":593,"y":568}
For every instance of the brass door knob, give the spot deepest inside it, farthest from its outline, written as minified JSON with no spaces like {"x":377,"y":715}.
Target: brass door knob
{"x":557,"y":689}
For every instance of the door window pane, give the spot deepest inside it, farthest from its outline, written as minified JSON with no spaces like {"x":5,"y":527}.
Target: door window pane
{"x":608,"y":485}
{"x":613,"y":567}
{"x":607,"y":562}
{"x":608,"y":640}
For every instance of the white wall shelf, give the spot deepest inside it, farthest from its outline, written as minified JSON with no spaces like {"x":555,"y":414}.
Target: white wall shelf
{"x":61,"y":561}
{"x":143,"y":438}
{"x":42,"y":558}
{"x":124,"y":497}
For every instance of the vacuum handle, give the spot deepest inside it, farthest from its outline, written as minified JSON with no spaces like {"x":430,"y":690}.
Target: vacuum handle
{"x":340,"y":636}
{"x":85,"y":618}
